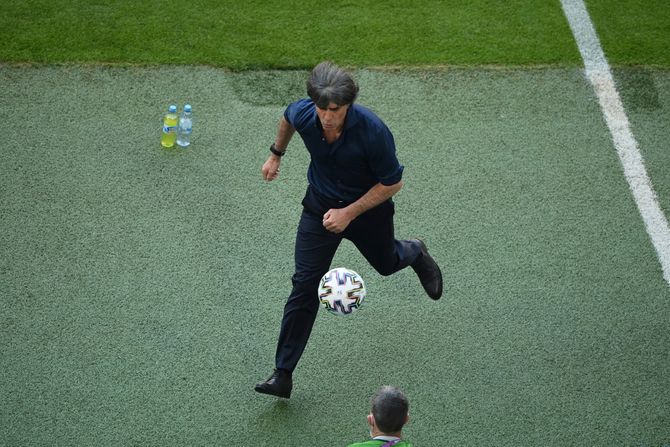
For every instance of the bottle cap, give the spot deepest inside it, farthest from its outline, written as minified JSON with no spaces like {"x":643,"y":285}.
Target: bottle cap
{"x":172,"y":109}
{"x":187,"y":108}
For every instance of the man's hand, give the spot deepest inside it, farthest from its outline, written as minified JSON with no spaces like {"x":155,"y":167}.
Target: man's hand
{"x":270,"y":169}
{"x":337,"y":220}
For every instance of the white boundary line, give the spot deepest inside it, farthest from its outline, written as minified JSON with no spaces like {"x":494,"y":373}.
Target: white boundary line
{"x":599,"y":74}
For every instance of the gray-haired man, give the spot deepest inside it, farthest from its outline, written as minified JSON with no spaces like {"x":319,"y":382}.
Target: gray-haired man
{"x":390,"y":413}
{"x":352,"y":176}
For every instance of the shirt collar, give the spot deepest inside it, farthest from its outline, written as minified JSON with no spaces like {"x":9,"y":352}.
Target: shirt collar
{"x":352,"y":116}
{"x":386,"y":438}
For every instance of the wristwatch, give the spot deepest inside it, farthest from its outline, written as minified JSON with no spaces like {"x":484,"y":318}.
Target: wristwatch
{"x":274,"y":150}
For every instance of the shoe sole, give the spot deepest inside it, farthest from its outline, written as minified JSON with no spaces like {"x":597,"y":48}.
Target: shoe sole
{"x":264,"y":391}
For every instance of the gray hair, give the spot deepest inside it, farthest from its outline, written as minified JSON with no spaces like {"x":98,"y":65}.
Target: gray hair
{"x":329,"y":83}
{"x":390,"y":408}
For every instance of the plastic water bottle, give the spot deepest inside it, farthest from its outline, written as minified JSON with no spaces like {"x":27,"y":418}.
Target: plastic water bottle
{"x":169,"y":127}
{"x":185,"y":127}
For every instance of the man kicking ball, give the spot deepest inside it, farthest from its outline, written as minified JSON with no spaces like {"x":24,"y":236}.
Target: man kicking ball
{"x":353,"y":174}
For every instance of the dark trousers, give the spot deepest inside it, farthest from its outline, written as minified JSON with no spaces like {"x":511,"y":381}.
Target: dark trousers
{"x":372,"y":234}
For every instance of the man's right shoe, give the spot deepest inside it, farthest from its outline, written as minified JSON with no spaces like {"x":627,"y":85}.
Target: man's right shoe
{"x":428,"y":272}
{"x":279,"y":384}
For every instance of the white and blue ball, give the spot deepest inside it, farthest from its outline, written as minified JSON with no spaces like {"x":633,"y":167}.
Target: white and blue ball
{"x":341,"y":291}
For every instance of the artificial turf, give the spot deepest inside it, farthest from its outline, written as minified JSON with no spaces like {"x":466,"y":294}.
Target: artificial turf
{"x":143,"y":287}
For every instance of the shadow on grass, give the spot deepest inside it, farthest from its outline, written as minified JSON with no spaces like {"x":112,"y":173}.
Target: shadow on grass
{"x":283,"y":422}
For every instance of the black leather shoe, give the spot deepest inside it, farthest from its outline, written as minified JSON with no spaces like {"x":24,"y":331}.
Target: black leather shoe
{"x":279,"y":384}
{"x":428,"y":272}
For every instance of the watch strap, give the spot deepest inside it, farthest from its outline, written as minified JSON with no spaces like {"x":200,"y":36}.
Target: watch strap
{"x":274,"y":150}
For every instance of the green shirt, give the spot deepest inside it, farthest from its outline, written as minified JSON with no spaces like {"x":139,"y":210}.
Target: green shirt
{"x":379,"y":443}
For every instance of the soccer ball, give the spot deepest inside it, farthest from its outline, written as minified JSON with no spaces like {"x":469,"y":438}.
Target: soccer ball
{"x":341,"y":291}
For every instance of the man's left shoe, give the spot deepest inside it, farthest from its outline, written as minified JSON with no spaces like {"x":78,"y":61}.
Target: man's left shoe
{"x":278,"y":384}
{"x":428,"y":272}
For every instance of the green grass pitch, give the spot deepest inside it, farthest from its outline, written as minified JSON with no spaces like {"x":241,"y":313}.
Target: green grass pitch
{"x":141,"y":289}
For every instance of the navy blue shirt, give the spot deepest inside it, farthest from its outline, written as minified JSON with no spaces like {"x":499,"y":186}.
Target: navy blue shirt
{"x":361,"y":157}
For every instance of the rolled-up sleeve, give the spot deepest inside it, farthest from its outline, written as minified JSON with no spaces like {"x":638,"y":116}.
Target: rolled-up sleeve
{"x":299,"y":113}
{"x":384,"y":161}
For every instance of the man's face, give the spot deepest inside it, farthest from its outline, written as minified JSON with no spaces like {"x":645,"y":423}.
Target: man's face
{"x":332,"y":117}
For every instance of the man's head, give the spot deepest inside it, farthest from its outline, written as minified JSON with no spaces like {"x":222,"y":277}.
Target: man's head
{"x":390,"y":410}
{"x":329,"y":84}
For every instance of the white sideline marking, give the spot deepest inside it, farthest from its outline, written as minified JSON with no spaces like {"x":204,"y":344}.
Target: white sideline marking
{"x":599,"y":74}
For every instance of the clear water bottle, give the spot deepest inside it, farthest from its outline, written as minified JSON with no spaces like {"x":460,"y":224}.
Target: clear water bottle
{"x":185,"y":127}
{"x":169,"y":127}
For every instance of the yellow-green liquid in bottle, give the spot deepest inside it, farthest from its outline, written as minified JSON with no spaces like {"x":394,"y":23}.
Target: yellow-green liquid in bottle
{"x":169,"y":135}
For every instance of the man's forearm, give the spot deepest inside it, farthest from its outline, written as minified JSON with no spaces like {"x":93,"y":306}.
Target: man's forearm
{"x":377,"y":195}
{"x":284,"y":134}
